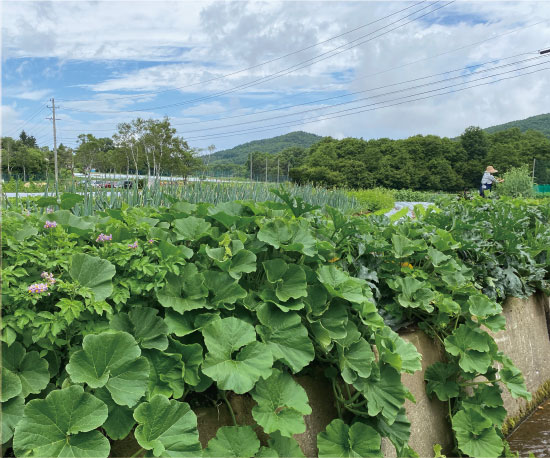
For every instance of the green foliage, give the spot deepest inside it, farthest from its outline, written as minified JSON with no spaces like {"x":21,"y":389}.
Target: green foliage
{"x":518,"y":182}
{"x":190,"y":301}
{"x":240,"y":154}
{"x":419,"y":163}
{"x":540,"y":123}
{"x":371,"y":200}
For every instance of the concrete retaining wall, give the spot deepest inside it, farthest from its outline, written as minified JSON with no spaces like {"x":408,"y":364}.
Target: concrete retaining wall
{"x":526,"y":340}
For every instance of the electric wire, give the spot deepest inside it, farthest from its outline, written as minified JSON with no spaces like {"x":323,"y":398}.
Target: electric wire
{"x":317,"y":119}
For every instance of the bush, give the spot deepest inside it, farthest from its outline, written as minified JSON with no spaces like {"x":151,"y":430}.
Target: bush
{"x":409,"y":195}
{"x":518,"y":182}
{"x":373,"y":199}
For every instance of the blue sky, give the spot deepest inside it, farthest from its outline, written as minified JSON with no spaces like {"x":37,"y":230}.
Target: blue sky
{"x":110,"y":62}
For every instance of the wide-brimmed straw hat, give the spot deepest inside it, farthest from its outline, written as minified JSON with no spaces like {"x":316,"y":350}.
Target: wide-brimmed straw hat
{"x":491,"y":169}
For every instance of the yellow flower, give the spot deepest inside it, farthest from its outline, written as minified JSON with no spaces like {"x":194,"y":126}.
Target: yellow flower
{"x":334,"y":260}
{"x":407,"y":264}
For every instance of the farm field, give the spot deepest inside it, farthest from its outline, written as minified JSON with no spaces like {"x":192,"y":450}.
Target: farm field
{"x":138,"y":315}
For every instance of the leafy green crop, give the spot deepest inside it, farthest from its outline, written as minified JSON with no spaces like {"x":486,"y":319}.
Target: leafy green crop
{"x":135,"y":317}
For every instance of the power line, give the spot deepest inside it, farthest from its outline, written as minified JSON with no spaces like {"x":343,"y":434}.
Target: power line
{"x":392,"y":68}
{"x":20,"y":128}
{"x":355,"y":92}
{"x":283,"y":72}
{"x":316,"y":119}
{"x":374,"y":96}
{"x":141,"y":94}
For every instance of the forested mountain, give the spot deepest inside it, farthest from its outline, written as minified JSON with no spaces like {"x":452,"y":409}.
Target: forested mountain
{"x":240,"y":154}
{"x":540,"y":123}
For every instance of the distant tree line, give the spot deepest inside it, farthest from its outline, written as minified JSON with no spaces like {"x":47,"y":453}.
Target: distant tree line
{"x":149,"y":147}
{"x":421,"y":162}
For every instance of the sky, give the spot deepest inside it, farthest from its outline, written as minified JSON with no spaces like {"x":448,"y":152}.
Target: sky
{"x":229,"y":72}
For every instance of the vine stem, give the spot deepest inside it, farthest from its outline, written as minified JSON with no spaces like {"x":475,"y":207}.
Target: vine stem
{"x":141,"y":450}
{"x":337,"y":398}
{"x":224,"y":397}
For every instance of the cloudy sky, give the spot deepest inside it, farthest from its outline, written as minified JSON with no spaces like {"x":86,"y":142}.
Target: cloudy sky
{"x":227,"y":72}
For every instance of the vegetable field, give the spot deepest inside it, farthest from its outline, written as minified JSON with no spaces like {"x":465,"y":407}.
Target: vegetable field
{"x":118,"y":322}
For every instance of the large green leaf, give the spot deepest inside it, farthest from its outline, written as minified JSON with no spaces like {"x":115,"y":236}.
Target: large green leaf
{"x":288,"y":236}
{"x":286,"y":447}
{"x":476,"y":435}
{"x":404,"y":247}
{"x":397,"y":352}
{"x":472,"y":346}
{"x":398,"y":432}
{"x":233,"y":441}
{"x":167,"y":427}
{"x":286,"y":337}
{"x":235,"y":359}
{"x":12,"y":411}
{"x":355,"y":360}
{"x":225,"y":289}
{"x":120,"y":421}
{"x":184,"y":292}
{"x":237,"y":264}
{"x":192,"y":358}
{"x":340,"y":284}
{"x":111,"y":360}
{"x":62,"y":425}
{"x":482,"y":306}
{"x":94,"y":273}
{"x":30,"y":370}
{"x":441,"y":380}
{"x":191,"y":228}
{"x":165,"y":374}
{"x":289,"y":280}
{"x":385,"y":394}
{"x":11,"y":385}
{"x":69,"y":200}
{"x":341,"y":440}
{"x":282,"y":404}
{"x":148,"y":329}
{"x":513,"y":379}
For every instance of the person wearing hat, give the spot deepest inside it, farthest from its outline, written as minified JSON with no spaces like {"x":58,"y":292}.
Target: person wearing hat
{"x":488,"y":180}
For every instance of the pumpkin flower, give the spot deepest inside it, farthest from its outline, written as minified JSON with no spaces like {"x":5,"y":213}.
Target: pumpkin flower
{"x":50,"y":224}
{"x":407,"y":264}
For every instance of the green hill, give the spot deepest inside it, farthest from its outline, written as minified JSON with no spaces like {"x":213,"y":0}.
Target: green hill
{"x":539,"y":122}
{"x":240,"y":153}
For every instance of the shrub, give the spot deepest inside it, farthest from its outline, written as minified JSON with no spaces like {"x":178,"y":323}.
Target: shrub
{"x":518,"y":182}
{"x":373,"y":199}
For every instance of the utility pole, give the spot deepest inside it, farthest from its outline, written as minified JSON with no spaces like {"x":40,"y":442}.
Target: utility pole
{"x":534,"y":162}
{"x":250,"y":166}
{"x":54,"y":142}
{"x":277,"y":170}
{"x":266,"y":169}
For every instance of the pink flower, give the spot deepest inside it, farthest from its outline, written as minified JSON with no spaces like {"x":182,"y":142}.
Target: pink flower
{"x":133,"y":245}
{"x":37,"y":288}
{"x":104,"y":238}
{"x":50,"y":224}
